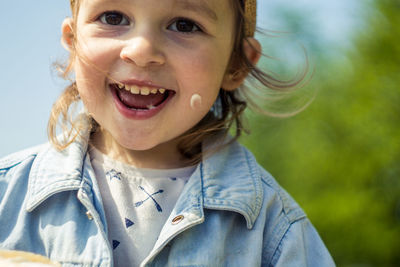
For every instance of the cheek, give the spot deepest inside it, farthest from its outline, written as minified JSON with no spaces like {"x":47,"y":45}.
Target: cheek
{"x":200,"y":71}
{"x":90,"y":84}
{"x":92,"y":66}
{"x":203,"y":68}
{"x":88,"y":77}
{"x":98,"y":53}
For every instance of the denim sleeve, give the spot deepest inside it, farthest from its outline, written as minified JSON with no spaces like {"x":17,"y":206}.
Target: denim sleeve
{"x":302,"y":246}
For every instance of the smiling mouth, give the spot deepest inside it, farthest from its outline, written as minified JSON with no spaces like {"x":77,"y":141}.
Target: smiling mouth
{"x":141,"y":97}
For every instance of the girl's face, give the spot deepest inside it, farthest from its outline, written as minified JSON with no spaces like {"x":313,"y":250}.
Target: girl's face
{"x":139,"y":62}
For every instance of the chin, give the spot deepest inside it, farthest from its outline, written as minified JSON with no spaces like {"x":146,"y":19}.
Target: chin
{"x":138,"y":145}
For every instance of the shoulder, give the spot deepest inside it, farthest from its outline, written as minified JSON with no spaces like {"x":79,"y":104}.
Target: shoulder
{"x":274,"y":196}
{"x":16,"y":158}
{"x":278,"y":207}
{"x":45,"y":157}
{"x":289,"y":238}
{"x":31,"y":175}
{"x":16,"y":169}
{"x":42,"y":163}
{"x":282,"y":200}
{"x":244,"y":181}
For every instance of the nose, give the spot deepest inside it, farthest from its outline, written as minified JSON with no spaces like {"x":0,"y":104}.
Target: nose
{"x":142,"y":52}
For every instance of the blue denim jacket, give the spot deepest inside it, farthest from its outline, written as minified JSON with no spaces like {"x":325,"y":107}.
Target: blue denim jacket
{"x":230,"y":213}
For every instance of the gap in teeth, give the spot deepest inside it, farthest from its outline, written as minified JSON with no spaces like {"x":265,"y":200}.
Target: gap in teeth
{"x":134,"y":89}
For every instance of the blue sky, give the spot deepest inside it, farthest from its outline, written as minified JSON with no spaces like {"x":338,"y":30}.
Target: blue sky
{"x":29,"y":45}
{"x":30,"y":34}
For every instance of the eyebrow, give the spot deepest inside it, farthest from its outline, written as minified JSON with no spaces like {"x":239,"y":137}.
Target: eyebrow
{"x":198,"y":6}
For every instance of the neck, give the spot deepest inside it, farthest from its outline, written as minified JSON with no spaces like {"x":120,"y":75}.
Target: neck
{"x":163,"y":156}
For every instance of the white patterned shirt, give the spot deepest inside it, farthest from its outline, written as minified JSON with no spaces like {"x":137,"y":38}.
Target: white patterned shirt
{"x":137,"y":202}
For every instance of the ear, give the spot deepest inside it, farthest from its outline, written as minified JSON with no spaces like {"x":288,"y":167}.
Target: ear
{"x":67,"y":37}
{"x":234,"y":78}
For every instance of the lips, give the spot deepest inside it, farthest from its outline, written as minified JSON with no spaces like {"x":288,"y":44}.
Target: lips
{"x":140,"y":102}
{"x":141,"y":97}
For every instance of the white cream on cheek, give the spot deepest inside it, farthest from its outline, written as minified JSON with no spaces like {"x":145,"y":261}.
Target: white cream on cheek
{"x":195,"y":101}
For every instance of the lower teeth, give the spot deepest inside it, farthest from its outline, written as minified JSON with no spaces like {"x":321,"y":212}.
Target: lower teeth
{"x":150,"y":107}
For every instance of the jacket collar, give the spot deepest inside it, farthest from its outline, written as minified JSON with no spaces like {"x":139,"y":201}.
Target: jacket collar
{"x":229,"y":179}
{"x":56,"y":171}
{"x":232,"y":181}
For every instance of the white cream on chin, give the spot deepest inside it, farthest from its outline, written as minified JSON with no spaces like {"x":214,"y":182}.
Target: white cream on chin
{"x":195,"y":101}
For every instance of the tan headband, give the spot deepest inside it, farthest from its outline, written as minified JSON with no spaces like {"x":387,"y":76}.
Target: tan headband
{"x":250,"y":12}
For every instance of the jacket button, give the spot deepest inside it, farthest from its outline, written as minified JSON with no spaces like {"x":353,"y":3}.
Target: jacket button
{"x":89,"y":215}
{"x":177,"y":219}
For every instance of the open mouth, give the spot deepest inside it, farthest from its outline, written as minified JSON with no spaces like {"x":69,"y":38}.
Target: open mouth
{"x":141,"y":98}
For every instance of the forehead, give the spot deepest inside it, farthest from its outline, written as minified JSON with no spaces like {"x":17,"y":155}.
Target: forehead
{"x":209,"y":8}
{"x":200,"y":6}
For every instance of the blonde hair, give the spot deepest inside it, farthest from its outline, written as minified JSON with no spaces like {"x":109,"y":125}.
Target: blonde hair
{"x":225,"y":114}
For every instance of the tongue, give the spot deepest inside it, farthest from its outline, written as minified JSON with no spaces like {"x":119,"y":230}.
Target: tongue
{"x":140,"y":101}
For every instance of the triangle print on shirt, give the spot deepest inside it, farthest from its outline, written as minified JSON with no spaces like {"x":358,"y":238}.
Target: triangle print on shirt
{"x":113,"y":174}
{"x":128,"y":223}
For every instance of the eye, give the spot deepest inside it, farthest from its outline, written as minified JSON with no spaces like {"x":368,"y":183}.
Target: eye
{"x":114,"y":18}
{"x":184,"y":26}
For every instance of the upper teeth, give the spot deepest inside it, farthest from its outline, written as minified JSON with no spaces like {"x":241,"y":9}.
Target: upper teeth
{"x":143,"y":90}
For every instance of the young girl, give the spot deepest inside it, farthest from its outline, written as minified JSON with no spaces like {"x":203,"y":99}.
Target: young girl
{"x":147,"y":175}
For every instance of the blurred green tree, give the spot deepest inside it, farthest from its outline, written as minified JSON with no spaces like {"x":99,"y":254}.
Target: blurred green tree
{"x":340,"y":158}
